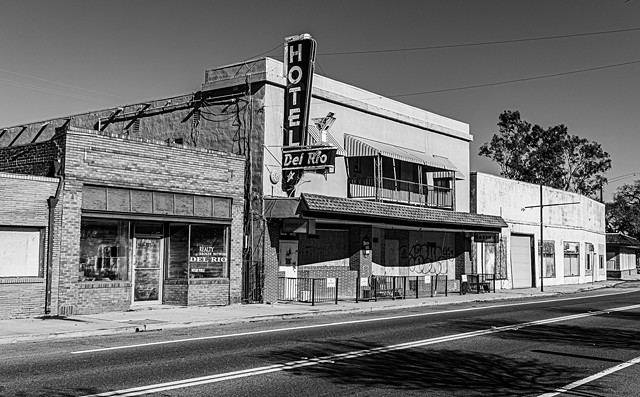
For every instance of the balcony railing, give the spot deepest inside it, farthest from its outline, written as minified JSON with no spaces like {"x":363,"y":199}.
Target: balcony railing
{"x":402,"y":192}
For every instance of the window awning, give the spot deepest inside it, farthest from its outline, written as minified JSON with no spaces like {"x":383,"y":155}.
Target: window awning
{"x":362,"y":147}
{"x":314,"y":134}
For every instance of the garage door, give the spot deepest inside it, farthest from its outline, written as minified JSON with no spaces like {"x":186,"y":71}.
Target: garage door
{"x":521,"y":261}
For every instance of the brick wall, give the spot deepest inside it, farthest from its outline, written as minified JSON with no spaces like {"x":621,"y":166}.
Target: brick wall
{"x":33,"y":159}
{"x":176,"y":292}
{"x":23,"y":200}
{"x":210,"y":293}
{"x":117,"y":161}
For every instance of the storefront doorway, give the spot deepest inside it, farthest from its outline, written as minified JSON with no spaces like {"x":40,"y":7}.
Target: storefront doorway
{"x":147,"y":267}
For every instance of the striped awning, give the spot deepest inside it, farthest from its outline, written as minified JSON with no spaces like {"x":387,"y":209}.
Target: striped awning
{"x":314,"y":134}
{"x":362,"y":147}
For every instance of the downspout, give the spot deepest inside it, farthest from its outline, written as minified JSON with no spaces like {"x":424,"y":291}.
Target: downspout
{"x":52,"y":202}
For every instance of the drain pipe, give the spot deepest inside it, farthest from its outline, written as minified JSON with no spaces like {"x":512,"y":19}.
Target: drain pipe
{"x":52,"y":202}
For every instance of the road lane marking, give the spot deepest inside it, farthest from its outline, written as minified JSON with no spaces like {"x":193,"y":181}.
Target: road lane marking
{"x":303,"y":327}
{"x":161,"y":387}
{"x":591,"y":378}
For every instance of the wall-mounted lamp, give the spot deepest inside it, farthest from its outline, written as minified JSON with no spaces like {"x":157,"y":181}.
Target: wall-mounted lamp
{"x":366,"y":246}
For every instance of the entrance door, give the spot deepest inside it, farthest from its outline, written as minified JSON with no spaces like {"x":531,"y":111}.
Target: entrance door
{"x":521,"y":266}
{"x":147,"y":270}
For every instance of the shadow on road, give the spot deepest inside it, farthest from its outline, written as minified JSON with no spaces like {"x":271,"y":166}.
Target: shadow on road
{"x":430,"y":369}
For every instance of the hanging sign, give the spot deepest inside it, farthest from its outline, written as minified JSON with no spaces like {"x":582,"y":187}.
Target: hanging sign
{"x":299,"y":59}
{"x":308,"y":158}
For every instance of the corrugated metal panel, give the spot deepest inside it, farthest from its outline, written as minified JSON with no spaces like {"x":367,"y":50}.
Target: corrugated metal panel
{"x":362,"y":147}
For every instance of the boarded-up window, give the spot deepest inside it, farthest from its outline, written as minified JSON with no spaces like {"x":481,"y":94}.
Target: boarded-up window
{"x":118,"y":200}
{"x":162,"y":203}
{"x":203,"y":206}
{"x":141,"y":201}
{"x":154,"y":202}
{"x":20,"y":253}
{"x":94,"y":198}
{"x":183,"y":204}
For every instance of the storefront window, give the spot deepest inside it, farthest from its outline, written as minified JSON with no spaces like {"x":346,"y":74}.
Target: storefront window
{"x":549,"y":258}
{"x":571,"y":259}
{"x":104,"y":250}
{"x":208,"y":251}
{"x":178,"y":251}
{"x":590,"y":253}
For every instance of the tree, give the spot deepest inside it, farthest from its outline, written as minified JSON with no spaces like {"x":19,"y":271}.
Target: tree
{"x":548,"y":156}
{"x":623,"y":213}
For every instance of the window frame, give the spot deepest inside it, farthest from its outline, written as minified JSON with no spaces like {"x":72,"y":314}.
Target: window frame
{"x":548,"y":255}
{"x":569,"y":254}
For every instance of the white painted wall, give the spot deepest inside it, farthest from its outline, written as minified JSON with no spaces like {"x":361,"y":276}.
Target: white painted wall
{"x":583,"y":222}
{"x":362,"y":113}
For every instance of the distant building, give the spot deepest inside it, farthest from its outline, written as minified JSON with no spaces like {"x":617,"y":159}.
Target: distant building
{"x":180,"y":201}
{"x":622,"y":255}
{"x":574,"y":234}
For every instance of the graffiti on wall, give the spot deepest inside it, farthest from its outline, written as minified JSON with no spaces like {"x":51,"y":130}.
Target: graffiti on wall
{"x":427,"y":258}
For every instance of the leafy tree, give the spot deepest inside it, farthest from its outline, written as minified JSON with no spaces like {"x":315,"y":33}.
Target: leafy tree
{"x":550,"y":156}
{"x":623,"y":213}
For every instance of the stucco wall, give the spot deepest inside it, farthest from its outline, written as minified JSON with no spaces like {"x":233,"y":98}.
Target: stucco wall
{"x":362,"y":113}
{"x":582,"y":222}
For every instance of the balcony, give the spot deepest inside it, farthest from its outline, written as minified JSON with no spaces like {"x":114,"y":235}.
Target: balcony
{"x":401,"y":192}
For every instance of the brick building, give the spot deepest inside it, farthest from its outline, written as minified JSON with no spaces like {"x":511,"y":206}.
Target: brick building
{"x":137,"y":222}
{"x":138,"y":182}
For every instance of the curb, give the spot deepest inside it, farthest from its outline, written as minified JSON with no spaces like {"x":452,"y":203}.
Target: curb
{"x":142,"y":327}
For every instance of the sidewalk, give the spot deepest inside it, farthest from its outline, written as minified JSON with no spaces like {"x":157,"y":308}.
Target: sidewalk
{"x":168,"y":317}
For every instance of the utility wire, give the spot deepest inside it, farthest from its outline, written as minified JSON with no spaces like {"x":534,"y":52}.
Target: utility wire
{"x":52,"y":91}
{"x":481,"y":43}
{"x":500,"y":82}
{"x":55,"y":82}
{"x":546,"y":76}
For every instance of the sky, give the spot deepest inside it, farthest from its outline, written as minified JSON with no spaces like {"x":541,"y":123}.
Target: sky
{"x":571,"y":62}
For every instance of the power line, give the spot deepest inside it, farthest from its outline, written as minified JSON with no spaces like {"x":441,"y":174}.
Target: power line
{"x":52,"y":91}
{"x":481,"y":43}
{"x":546,"y":76}
{"x":55,"y":82}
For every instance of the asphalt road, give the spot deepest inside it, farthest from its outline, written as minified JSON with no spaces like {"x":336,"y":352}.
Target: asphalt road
{"x":583,"y":343}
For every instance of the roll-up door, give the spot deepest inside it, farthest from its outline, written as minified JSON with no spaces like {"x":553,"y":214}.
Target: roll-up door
{"x":521,"y":265}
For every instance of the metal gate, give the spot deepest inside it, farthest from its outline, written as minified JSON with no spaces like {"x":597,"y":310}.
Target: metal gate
{"x":252,"y":282}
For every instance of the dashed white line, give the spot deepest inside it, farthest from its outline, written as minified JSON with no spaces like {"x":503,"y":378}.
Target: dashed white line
{"x":591,"y":378}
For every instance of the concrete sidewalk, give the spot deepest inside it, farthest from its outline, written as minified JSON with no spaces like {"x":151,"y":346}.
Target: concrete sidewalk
{"x":170,"y":317}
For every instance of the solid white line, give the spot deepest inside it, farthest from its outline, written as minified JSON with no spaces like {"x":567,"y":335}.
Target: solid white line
{"x":591,"y":378}
{"x":157,"y":388}
{"x":269,"y":331}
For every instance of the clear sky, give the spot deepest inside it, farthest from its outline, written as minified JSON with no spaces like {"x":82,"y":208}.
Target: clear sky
{"x":65,"y":57}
